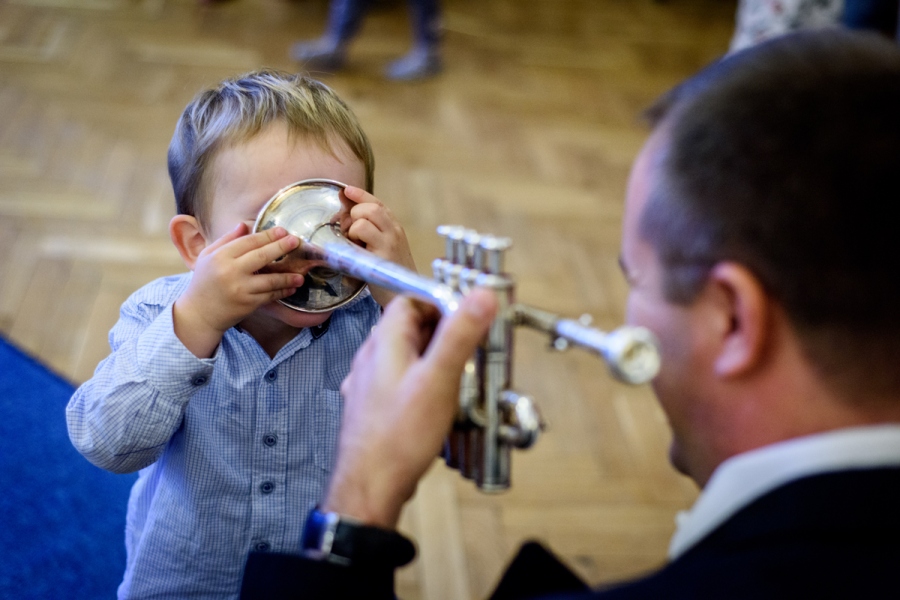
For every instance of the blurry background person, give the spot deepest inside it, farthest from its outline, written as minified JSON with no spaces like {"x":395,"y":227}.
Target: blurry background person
{"x":329,"y":52}
{"x":759,"y":20}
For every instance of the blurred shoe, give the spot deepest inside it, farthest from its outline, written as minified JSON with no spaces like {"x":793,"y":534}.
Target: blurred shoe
{"x":418,"y":64}
{"x":319,"y":55}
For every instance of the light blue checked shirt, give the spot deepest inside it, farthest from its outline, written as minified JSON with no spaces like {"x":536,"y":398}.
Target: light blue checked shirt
{"x":232,"y":450}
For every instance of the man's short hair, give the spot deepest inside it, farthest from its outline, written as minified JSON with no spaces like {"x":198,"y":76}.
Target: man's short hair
{"x":241,"y":107}
{"x":786,"y":158}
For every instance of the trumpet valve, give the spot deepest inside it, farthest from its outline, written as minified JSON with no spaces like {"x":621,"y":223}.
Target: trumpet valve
{"x":560,"y":344}
{"x":437,"y":269}
{"x":460,"y":253}
{"x":523,"y":423}
{"x":452,"y":235}
{"x":491,"y":253}
{"x":468,"y":279}
{"x":471,"y":239}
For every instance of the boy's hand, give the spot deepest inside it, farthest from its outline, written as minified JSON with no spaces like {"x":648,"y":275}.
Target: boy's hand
{"x":374,"y":226}
{"x":226,"y":287}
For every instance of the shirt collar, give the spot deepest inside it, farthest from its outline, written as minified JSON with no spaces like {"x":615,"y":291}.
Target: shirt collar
{"x":743,"y":478}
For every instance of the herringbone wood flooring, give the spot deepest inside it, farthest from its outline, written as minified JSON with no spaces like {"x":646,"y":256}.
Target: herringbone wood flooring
{"x":529,"y":133}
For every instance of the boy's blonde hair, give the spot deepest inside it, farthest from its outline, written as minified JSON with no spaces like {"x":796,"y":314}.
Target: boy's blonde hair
{"x":238,"y":109}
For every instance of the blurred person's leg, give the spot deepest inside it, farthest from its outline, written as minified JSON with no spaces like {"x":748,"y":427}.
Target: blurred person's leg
{"x":424,"y":60}
{"x":329,"y":51}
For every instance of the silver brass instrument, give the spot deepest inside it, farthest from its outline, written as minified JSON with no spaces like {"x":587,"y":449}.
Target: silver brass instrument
{"x":492,"y":418}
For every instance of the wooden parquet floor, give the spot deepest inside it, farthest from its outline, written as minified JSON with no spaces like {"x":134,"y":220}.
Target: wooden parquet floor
{"x":529,"y":133}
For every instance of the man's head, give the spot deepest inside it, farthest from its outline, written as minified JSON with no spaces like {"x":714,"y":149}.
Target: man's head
{"x":775,"y":167}
{"x":241,"y":108}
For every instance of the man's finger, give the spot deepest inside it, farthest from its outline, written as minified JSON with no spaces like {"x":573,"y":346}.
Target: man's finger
{"x":405,"y":318}
{"x":398,"y":330}
{"x":458,"y":336}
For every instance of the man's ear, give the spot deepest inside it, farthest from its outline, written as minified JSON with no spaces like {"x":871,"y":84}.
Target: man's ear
{"x":188,"y":238}
{"x":748,"y":310}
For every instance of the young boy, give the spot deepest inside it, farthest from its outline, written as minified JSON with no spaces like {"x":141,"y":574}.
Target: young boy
{"x":227,"y":401}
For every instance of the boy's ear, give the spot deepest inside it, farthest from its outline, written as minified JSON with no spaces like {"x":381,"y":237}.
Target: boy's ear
{"x":188,"y":238}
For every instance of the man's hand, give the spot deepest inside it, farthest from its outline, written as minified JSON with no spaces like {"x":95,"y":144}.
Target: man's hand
{"x":400,"y":404}
{"x":374,"y":226}
{"x":226,"y":288}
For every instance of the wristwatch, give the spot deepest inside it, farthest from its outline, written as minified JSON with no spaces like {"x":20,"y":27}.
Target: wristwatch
{"x":345,"y":541}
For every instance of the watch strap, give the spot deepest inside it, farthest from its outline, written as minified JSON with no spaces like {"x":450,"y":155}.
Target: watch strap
{"x":341,"y":540}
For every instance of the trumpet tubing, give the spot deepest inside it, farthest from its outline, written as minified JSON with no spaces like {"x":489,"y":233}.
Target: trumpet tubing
{"x":492,"y":418}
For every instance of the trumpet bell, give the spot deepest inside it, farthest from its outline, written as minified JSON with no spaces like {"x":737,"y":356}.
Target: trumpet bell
{"x":304,"y":209}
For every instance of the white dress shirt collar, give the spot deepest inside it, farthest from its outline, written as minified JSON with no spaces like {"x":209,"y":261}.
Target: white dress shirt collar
{"x":743,"y":478}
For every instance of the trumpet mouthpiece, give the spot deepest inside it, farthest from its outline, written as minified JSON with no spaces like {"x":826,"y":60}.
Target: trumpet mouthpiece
{"x":632,"y":354}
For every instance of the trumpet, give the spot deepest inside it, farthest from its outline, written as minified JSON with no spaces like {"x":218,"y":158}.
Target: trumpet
{"x":492,"y":418}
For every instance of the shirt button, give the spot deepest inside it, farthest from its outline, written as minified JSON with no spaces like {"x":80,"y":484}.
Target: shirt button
{"x":262,"y":546}
{"x":267,"y":487}
{"x":270,"y":439}
{"x":199,"y":380}
{"x":271,"y":375}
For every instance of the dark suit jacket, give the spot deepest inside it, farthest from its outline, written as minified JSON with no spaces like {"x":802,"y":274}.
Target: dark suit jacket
{"x":835,"y":535}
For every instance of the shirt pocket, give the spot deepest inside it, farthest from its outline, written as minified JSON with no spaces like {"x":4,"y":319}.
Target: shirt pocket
{"x":329,"y":410}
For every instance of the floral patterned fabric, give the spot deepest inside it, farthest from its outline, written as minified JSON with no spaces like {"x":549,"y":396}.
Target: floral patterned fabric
{"x":759,"y":20}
